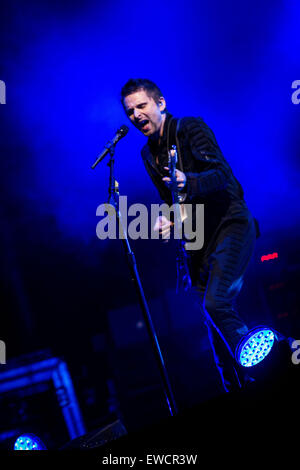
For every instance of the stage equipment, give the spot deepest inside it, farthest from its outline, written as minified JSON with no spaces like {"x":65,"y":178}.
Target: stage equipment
{"x":47,"y":372}
{"x":29,"y":442}
{"x":111,"y":144}
{"x":255,"y":346}
{"x":98,"y":438}
{"x":114,"y":202}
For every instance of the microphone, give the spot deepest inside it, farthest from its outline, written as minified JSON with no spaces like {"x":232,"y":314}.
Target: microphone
{"x":119,"y":135}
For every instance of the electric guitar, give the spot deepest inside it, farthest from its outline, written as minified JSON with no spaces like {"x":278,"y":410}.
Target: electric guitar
{"x":183,"y":275}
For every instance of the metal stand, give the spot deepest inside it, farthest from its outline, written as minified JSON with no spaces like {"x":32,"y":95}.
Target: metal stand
{"x":47,"y":370}
{"x":113,"y":200}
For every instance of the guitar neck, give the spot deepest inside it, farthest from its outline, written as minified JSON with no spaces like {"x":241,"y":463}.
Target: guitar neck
{"x":174,"y":190}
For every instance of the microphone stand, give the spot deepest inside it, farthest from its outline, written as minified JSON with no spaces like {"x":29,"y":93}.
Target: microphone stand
{"x":113,"y":200}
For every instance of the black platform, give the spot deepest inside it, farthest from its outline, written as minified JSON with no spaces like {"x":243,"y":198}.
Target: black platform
{"x":260,"y":421}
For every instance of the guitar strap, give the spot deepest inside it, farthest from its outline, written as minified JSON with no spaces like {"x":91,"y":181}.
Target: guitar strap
{"x":178,"y":147}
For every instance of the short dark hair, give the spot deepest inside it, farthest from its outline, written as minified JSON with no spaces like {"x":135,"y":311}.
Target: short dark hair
{"x":136,"y":84}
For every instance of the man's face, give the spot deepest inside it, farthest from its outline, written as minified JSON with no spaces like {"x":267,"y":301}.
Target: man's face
{"x":145,"y":113}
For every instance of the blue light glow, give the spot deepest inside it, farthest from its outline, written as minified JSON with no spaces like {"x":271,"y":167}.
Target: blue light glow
{"x":64,"y":108}
{"x":29,"y":442}
{"x":255,"y":346}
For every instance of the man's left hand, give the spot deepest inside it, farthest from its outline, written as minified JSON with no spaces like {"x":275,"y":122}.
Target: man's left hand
{"x":180,"y":179}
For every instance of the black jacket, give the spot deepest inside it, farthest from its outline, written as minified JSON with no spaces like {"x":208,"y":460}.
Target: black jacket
{"x":210,"y":180}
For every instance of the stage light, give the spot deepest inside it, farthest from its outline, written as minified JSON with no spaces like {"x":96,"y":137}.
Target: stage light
{"x":29,"y":442}
{"x":255,"y":346}
{"x":268,"y":257}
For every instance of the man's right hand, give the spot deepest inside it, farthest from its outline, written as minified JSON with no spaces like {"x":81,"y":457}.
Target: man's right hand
{"x":163,"y":225}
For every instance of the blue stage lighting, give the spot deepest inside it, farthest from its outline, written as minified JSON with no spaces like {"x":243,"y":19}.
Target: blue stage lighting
{"x":255,"y":346}
{"x":29,"y":442}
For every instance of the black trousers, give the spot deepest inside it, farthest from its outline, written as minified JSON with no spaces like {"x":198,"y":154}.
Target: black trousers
{"x":217,"y":278}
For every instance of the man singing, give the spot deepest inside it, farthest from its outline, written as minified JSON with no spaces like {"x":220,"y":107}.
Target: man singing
{"x":203,"y":177}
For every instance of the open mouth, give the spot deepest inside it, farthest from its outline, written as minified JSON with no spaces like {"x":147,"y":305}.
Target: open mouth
{"x":143,"y":125}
